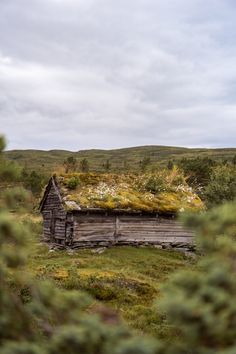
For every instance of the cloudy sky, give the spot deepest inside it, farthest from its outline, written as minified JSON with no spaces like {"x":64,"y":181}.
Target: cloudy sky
{"x":79,"y":74}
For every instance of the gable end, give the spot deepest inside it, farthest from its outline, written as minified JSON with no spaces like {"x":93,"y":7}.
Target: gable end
{"x":52,"y":188}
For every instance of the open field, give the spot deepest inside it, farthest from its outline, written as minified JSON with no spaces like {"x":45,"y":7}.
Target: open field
{"x":120,"y":159}
{"x":126,"y":279}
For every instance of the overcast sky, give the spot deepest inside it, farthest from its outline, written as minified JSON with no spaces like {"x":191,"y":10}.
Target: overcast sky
{"x":80,"y":74}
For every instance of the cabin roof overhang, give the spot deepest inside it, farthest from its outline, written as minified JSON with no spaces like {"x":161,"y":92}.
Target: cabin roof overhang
{"x":87,"y":211}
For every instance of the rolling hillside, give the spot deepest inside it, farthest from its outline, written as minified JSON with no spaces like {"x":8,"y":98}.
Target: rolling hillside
{"x":119,"y":159}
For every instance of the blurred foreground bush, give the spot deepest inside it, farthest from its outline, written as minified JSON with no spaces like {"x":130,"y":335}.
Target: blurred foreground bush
{"x":201,"y":304}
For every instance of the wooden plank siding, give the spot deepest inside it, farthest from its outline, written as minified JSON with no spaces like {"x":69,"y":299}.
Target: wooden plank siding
{"x":129,"y":230}
{"x":98,"y":228}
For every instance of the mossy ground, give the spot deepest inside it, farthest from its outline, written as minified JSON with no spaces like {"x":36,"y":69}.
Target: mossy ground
{"x":126,"y":279}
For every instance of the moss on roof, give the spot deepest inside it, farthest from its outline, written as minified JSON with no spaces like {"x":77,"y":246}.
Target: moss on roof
{"x":164,"y":192}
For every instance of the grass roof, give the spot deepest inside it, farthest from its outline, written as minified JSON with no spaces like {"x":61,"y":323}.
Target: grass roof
{"x":163,"y":192}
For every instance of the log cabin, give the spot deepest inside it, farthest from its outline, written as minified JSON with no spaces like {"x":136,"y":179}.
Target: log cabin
{"x":89,"y":210}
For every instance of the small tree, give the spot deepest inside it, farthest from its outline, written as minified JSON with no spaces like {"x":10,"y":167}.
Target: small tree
{"x":144,"y":163}
{"x":84,"y":165}
{"x":9,"y":171}
{"x":33,"y":181}
{"x":126,"y":165}
{"x":222,"y":185}
{"x":234,"y":160}
{"x":198,"y":170}
{"x":170,"y":165}
{"x":107,"y":165}
{"x":70,"y":164}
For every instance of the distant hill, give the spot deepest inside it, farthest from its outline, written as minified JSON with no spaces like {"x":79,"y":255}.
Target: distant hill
{"x":119,"y":159}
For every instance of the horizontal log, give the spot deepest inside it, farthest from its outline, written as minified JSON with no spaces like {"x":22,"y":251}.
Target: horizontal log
{"x":52,"y":197}
{"x":160,"y":239}
{"x":60,"y":232}
{"x":59,"y":226}
{"x":47,"y":223}
{"x":150,"y":227}
{"x":155,"y":231}
{"x":95,"y":229}
{"x":106,"y":238}
{"x":139,"y":233}
{"x":47,"y":231}
{"x":90,"y":245}
{"x":59,"y":229}
{"x":156,"y":234}
{"x":53,"y":200}
{"x":97,"y":221}
{"x":53,"y":205}
{"x":93,"y":233}
{"x":145,"y":218}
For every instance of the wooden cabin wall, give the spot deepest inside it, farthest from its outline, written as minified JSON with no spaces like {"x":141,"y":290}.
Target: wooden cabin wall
{"x":154,"y":230}
{"x":54,"y":217}
{"x":92,"y":230}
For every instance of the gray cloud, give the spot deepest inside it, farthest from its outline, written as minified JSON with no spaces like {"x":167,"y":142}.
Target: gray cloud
{"x":80,"y":74}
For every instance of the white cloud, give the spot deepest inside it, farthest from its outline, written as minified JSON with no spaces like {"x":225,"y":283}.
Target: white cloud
{"x":84,"y":74}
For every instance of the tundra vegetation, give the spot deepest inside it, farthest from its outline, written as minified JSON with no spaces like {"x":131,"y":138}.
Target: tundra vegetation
{"x":65,"y":302}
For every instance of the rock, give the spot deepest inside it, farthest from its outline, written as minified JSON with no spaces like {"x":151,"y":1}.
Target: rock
{"x":159,"y":247}
{"x":70,"y":252}
{"x":167,"y":246}
{"x":99,"y":250}
{"x":77,"y":262}
{"x":190,"y":254}
{"x":181,"y":249}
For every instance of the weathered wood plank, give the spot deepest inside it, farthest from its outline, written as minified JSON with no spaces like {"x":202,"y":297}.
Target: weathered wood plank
{"x":167,"y":239}
{"x":94,"y":238}
{"x":93,"y":234}
{"x":154,"y":234}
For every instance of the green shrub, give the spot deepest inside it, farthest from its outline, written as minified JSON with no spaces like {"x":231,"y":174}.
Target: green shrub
{"x":198,"y":170}
{"x":155,"y":184}
{"x":203,"y":306}
{"x":73,"y":183}
{"x":222,"y":185}
{"x":33,"y":181}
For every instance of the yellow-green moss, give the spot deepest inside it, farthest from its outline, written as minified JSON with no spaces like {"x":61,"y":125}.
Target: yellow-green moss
{"x":160,"y":192}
